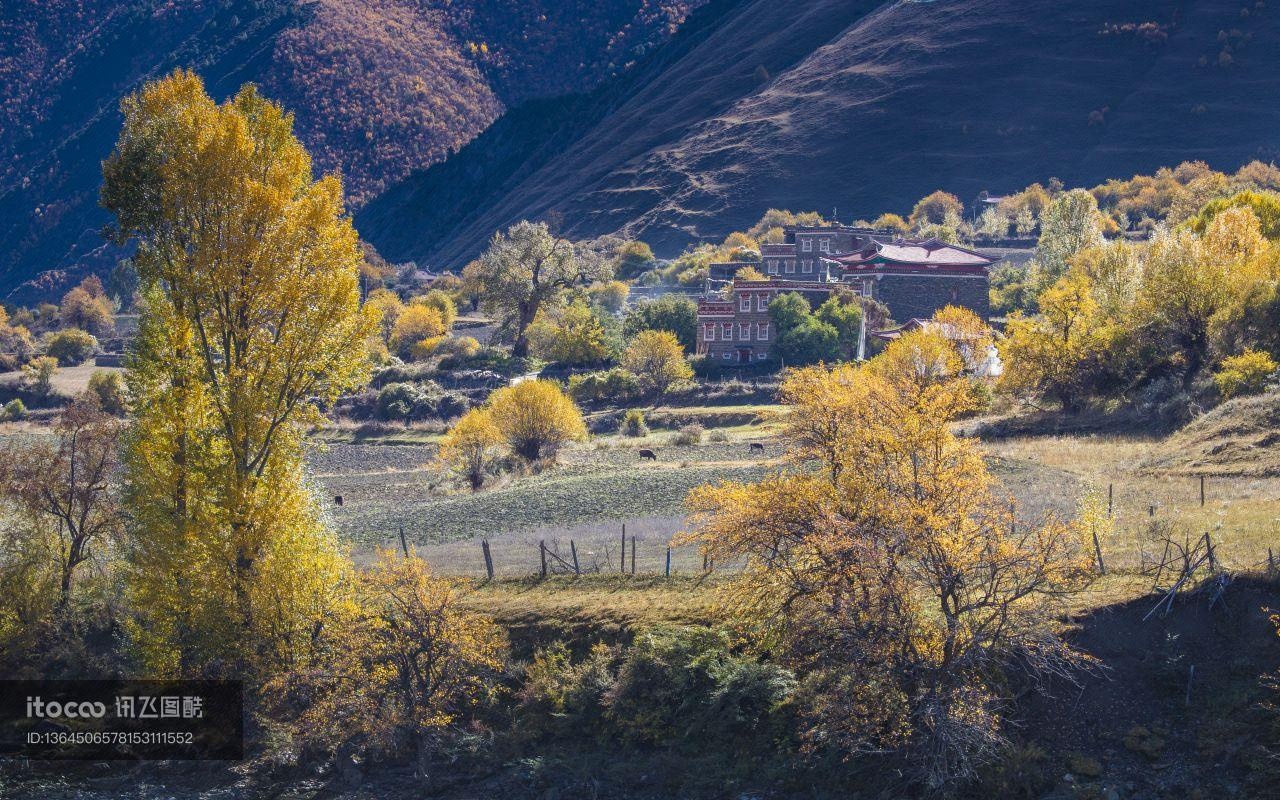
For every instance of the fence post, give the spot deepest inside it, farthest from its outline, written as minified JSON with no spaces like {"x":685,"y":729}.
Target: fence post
{"x":573,"y":548}
{"x":488,"y":558}
{"x":404,"y":544}
{"x":622,"y":557}
{"x":633,"y":555}
{"x":1110,"y":498}
{"x":668,"y":562}
{"x":542,"y":552}
{"x":1202,"y":491}
{"x":1097,"y":548}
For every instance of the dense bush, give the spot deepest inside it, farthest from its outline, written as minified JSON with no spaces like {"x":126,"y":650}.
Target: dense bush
{"x":14,"y":410}
{"x":109,"y":390}
{"x":411,"y":401}
{"x":633,"y":424}
{"x":1247,"y":373}
{"x":71,"y":346}
{"x":616,"y":385}
{"x":669,"y":685}
{"x":690,"y":434}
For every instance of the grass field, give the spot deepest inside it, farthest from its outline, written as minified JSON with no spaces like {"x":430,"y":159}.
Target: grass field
{"x":66,"y":380}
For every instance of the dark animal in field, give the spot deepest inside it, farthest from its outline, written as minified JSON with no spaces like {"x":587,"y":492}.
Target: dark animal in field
{"x":756,"y":446}
{"x":649,"y":454}
{"x":337,"y":500}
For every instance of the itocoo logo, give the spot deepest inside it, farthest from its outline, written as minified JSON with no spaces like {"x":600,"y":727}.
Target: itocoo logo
{"x":37,"y":707}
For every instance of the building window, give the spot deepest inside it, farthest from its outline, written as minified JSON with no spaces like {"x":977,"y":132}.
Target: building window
{"x":726,"y":329}
{"x":727,"y":355}
{"x":791,"y":265}
{"x":762,"y":302}
{"x":806,"y":245}
{"x":806,"y":265}
{"x":773,"y":266}
{"x":744,"y":301}
{"x":762,"y":357}
{"x":763,"y":332}
{"x":709,"y":332}
{"x":744,"y":332}
{"x":825,"y":245}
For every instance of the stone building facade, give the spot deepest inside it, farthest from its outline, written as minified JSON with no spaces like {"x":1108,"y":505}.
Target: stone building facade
{"x":738,"y":329}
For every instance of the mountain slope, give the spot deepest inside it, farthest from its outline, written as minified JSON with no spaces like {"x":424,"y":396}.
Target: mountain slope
{"x":860,"y":107}
{"x":379,"y":86}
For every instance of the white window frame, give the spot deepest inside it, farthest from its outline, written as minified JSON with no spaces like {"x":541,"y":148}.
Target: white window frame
{"x":726,"y":328}
{"x":762,"y":331}
{"x":744,"y":301}
{"x":806,"y":245}
{"x":726,"y":355}
{"x":709,"y":332}
{"x":791,"y":265}
{"x":806,"y":265}
{"x":744,"y":331}
{"x":762,"y":302}
{"x":773,"y":266}
{"x":824,"y":245}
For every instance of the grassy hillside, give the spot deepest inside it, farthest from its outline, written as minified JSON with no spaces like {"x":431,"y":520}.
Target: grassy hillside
{"x":859,"y":108}
{"x":379,"y":87}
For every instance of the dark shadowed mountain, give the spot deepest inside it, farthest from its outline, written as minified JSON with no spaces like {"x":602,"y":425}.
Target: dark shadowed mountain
{"x":379,"y":87}
{"x":860,"y":107}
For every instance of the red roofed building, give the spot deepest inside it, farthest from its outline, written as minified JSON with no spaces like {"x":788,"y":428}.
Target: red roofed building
{"x":913,"y":278}
{"x":916,"y":278}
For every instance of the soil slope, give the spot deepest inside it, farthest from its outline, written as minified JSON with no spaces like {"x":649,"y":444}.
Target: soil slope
{"x":853,"y":108}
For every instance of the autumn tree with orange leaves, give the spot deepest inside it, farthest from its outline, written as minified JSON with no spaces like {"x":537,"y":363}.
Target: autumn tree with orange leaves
{"x":887,"y":565}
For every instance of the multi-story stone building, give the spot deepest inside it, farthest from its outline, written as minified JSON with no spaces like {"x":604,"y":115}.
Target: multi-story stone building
{"x":913,"y":278}
{"x":737,"y":328}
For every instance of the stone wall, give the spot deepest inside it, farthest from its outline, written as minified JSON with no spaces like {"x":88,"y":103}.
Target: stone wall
{"x":919,"y":296}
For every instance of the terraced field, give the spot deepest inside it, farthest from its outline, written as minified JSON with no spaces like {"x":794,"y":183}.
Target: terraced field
{"x":386,"y":487}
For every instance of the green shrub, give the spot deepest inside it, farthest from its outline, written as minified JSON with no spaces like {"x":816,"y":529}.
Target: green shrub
{"x":1247,"y":373}
{"x":71,"y":346}
{"x":13,"y":410}
{"x":616,"y":385}
{"x":560,"y":697}
{"x":109,"y":390}
{"x":690,"y":434}
{"x":633,"y":424}
{"x":685,"y":682}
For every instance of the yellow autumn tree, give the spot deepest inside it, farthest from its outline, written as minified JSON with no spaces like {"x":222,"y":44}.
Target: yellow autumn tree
{"x":536,"y":418}
{"x":1048,"y":355}
{"x":394,"y":668}
{"x":414,"y":324}
{"x":388,"y":303}
{"x":894,"y":580}
{"x":472,"y":446}
{"x":657,"y":360}
{"x":251,"y":318}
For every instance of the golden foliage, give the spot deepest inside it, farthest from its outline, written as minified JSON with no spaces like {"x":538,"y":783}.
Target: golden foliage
{"x":472,"y":445}
{"x":251,"y":318}
{"x":394,"y":665}
{"x":415,"y":323}
{"x":536,"y":418}
{"x":895,"y":577}
{"x":657,"y":360}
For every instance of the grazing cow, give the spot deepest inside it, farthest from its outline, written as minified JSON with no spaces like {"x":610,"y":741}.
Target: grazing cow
{"x":337,"y":500}
{"x":649,"y":454}
{"x":756,"y":446}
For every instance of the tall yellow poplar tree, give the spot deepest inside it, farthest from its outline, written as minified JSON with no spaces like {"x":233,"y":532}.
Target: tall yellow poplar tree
{"x":251,"y":318}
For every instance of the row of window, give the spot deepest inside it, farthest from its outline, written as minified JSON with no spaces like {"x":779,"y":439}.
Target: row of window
{"x":762,"y":301}
{"x":745,"y":329}
{"x":806,"y":265}
{"x":728,"y":355}
{"x":824,"y":245}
